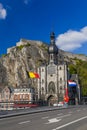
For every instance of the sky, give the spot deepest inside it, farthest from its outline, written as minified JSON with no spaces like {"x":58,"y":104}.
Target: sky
{"x":35,"y":19}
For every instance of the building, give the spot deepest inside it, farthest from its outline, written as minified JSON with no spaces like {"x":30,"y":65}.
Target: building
{"x":24,"y":95}
{"x":6,"y":98}
{"x":53,"y":77}
{"x":11,"y":98}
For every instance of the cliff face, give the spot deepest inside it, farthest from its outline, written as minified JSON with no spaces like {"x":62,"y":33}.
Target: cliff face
{"x":25,"y":56}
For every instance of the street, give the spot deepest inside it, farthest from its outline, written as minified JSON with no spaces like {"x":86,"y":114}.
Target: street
{"x":64,"y":119}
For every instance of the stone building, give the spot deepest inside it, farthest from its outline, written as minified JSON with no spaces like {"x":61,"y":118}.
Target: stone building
{"x":11,"y":98}
{"x":6,"y":98}
{"x":53,"y":77}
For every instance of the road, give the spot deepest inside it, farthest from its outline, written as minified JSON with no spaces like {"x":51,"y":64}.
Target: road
{"x":63,"y":119}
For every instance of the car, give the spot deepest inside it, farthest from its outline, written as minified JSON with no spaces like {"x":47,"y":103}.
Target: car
{"x":55,"y":104}
{"x":60,"y":104}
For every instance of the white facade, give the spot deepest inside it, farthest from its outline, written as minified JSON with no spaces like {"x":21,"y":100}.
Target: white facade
{"x":53,"y":78}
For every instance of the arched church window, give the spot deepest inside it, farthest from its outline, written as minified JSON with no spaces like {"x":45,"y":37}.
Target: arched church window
{"x":42,"y":88}
{"x":60,"y":87}
{"x":51,"y":87}
{"x":51,"y":57}
{"x":42,"y":70}
{"x":60,"y":80}
{"x":42,"y":81}
{"x":60,"y":91}
{"x":60,"y":68}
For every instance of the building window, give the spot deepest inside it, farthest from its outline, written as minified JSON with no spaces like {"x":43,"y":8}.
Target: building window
{"x":42,"y":81}
{"x":60,"y":87}
{"x":23,"y":96}
{"x":42,"y":89}
{"x":15,"y":97}
{"x":27,"y":96}
{"x":30,"y":91}
{"x":60,"y":68}
{"x":60,"y":80}
{"x":42,"y":70}
{"x":7,"y":96}
{"x":51,"y":57}
{"x":20,"y":96}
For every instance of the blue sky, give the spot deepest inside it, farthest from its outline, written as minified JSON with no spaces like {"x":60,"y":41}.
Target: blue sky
{"x":35,"y":19}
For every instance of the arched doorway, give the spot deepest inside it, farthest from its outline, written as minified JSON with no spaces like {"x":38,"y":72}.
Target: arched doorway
{"x":51,"y":100}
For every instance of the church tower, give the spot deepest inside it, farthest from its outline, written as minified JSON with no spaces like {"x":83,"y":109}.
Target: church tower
{"x":52,"y":50}
{"x":53,"y":77}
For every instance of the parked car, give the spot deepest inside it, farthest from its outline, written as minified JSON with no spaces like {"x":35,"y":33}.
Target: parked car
{"x":55,"y":104}
{"x":60,"y":104}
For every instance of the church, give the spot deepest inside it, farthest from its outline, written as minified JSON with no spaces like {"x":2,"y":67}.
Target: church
{"x":52,"y":84}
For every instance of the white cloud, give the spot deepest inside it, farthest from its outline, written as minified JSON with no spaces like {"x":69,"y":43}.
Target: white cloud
{"x":26,"y":1}
{"x":3,"y":12}
{"x":71,"y":40}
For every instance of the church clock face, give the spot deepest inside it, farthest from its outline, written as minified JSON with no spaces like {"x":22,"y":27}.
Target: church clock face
{"x":51,"y":87}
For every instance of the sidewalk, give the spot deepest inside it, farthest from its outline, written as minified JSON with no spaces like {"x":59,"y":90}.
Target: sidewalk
{"x":5,"y":114}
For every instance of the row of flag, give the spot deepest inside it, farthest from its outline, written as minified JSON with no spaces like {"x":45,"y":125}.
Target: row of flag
{"x":36,"y":75}
{"x":70,"y":84}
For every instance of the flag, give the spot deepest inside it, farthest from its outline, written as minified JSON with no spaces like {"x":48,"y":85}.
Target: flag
{"x":33,"y":75}
{"x":71,"y":83}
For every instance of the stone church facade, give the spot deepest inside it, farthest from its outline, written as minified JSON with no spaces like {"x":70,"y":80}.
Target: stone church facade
{"x":54,"y":76}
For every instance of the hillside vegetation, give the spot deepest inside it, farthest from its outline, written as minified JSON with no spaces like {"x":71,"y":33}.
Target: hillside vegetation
{"x":80,"y":68}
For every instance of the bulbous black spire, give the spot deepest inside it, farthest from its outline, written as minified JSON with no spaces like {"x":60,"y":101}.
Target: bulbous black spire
{"x":52,"y":47}
{"x":52,"y":38}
